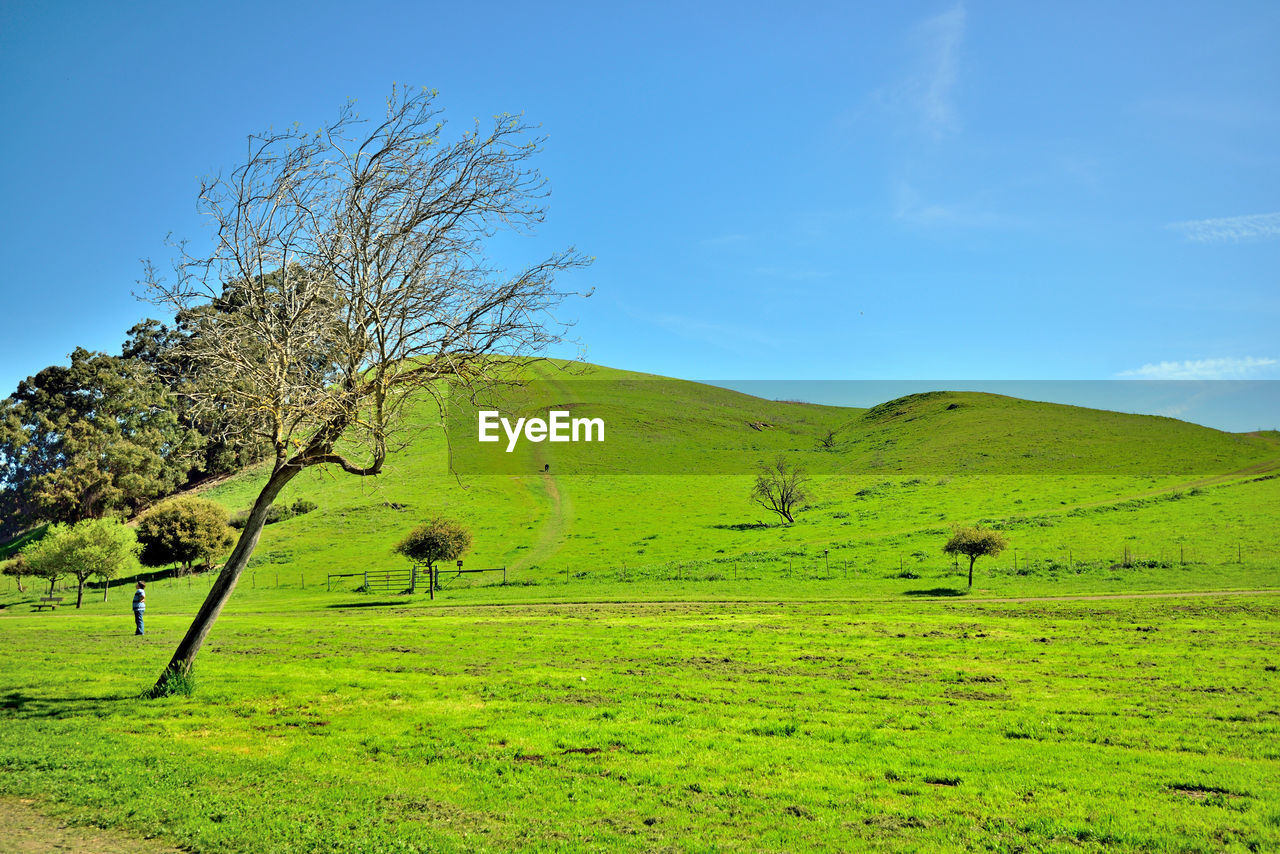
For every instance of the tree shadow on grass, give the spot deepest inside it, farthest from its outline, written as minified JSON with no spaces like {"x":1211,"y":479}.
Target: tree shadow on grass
{"x":390,"y":604}
{"x":15,"y":704}
{"x":937,"y":591}
{"x":744,"y":526}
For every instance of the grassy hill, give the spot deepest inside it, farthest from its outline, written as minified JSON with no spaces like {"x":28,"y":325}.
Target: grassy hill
{"x":665,"y":497}
{"x":1191,"y":493}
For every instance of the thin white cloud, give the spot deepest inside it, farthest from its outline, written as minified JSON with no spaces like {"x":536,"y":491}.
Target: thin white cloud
{"x":933,"y":87}
{"x":923,"y":96}
{"x":941,"y":37}
{"x":1231,"y":229}
{"x":1204,"y":369}
{"x":910,"y":208}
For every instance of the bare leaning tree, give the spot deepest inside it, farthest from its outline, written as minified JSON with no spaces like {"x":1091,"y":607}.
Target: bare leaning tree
{"x":348,"y":275}
{"x":781,"y":487}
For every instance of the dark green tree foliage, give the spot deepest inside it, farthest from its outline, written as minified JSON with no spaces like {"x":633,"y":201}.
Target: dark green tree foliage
{"x":96,"y":437}
{"x":440,"y":539}
{"x":160,"y":349}
{"x":974,"y":543}
{"x":93,"y":547}
{"x":184,"y":530}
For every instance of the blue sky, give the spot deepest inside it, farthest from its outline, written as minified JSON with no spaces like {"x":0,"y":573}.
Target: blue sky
{"x":821,"y":191}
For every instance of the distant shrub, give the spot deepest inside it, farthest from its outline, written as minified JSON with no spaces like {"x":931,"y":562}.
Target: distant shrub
{"x":275,"y":513}
{"x":278,"y":513}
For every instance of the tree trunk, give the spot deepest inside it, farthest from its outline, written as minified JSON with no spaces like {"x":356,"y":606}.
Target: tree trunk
{"x":225,"y":584}
{"x":971,"y":560}
{"x":79,"y":592}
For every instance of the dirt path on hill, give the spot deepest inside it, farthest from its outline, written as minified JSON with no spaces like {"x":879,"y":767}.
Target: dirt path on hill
{"x":558,"y":521}
{"x":25,"y":830}
{"x":554,"y":526}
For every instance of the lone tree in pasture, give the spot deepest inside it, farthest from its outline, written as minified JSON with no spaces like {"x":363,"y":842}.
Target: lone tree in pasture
{"x":780,"y":487}
{"x":94,"y":547}
{"x":184,"y":530}
{"x":347,"y":275}
{"x":974,"y":543}
{"x":437,"y":540}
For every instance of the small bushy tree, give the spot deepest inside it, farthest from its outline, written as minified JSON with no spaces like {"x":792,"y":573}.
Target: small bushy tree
{"x":94,"y":547}
{"x":440,"y":539}
{"x":781,"y":487}
{"x":184,"y":530}
{"x":974,"y":543}
{"x":17,"y":569}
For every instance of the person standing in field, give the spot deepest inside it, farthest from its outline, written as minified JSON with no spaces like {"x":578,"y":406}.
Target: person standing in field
{"x":139,"y":606}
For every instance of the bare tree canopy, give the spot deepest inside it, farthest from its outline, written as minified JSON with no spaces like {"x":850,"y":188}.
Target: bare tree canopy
{"x":348,"y":274}
{"x":781,"y":487}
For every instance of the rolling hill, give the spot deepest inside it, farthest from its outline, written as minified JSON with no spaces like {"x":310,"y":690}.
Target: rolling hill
{"x":667,"y":492}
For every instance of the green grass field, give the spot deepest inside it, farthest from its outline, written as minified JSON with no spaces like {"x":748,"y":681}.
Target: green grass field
{"x":667,"y":667}
{"x":1138,"y":724}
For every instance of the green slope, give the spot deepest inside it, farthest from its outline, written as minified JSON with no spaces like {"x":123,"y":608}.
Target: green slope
{"x":552,"y":525}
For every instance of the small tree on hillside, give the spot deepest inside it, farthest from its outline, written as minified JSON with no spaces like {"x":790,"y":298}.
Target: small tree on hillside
{"x":184,"y":530}
{"x":94,"y":547}
{"x":17,"y":569}
{"x":437,"y":540}
{"x":780,"y":487}
{"x":974,"y":543}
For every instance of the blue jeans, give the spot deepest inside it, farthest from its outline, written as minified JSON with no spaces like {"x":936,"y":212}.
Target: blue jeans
{"x":137,"y":618}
